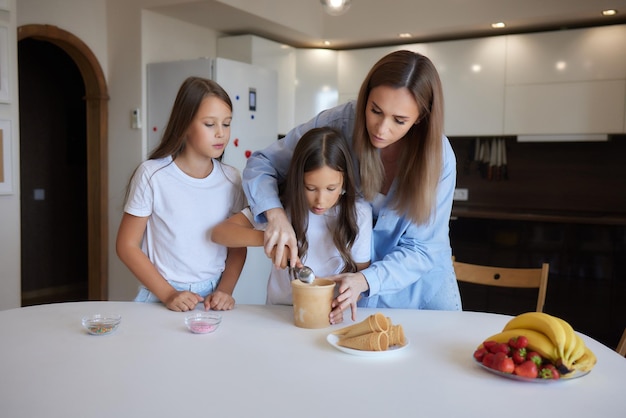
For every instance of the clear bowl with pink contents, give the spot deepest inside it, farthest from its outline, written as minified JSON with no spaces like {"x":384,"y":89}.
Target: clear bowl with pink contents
{"x":203,"y":322}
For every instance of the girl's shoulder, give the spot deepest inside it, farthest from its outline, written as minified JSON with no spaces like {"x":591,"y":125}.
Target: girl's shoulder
{"x":149,"y":167}
{"x":231,"y":173}
{"x":362,"y":206}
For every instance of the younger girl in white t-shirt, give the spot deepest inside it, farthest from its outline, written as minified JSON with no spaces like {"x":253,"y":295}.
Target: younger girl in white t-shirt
{"x":333,"y":227}
{"x":174,"y":200}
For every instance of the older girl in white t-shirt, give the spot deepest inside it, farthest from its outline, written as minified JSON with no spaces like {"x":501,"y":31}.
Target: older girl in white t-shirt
{"x":174,"y":200}
{"x":333,"y":227}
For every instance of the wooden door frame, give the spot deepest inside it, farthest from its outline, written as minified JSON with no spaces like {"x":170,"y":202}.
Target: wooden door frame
{"x":96,"y":100}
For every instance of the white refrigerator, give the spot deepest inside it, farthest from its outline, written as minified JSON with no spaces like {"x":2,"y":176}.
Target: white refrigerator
{"x":253,"y":91}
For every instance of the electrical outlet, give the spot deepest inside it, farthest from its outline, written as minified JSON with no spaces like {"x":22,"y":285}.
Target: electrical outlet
{"x":461,"y":194}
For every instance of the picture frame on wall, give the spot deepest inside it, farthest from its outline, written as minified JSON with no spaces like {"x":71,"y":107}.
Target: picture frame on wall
{"x":5,"y":96}
{"x":6,"y":166}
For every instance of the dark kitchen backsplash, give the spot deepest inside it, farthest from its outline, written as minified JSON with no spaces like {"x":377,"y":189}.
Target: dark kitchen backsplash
{"x":581,"y":177}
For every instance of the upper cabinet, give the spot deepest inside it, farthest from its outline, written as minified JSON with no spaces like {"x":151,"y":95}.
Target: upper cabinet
{"x":566,"y":82}
{"x":472,"y":74}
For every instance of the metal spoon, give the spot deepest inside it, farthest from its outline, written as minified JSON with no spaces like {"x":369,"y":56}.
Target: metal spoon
{"x":304,"y":274}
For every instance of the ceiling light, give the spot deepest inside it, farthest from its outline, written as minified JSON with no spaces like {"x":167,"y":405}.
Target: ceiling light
{"x":405,"y":35}
{"x":336,"y":7}
{"x":498,"y":25}
{"x":609,"y":12}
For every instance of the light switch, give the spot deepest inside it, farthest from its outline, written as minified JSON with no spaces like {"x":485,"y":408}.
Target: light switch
{"x":135,"y":118}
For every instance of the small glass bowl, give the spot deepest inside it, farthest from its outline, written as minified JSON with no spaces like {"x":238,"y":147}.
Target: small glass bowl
{"x":203,"y":322}
{"x":99,"y":324}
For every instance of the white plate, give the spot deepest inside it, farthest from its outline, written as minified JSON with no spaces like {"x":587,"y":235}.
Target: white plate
{"x":333,"y":339}
{"x":574,"y":375}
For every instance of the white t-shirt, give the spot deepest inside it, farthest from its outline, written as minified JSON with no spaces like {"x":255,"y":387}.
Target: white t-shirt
{"x":322,"y":255}
{"x":182,"y":211}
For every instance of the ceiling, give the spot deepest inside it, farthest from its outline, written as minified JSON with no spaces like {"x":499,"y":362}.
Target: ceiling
{"x":369,"y":23}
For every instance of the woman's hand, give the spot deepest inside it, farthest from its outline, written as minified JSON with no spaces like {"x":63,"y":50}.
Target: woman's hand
{"x":183,"y":301}
{"x":351,"y":285}
{"x":279,"y":237}
{"x":219,"y":301}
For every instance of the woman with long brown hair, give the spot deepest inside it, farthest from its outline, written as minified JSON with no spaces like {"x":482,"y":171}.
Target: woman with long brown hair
{"x":406,"y":169}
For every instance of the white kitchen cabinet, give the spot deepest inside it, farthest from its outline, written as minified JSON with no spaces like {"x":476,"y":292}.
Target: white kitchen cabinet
{"x":472,"y":74}
{"x":569,"y":55}
{"x":585,"y":107}
{"x":353,"y":66}
{"x":566,"y":82}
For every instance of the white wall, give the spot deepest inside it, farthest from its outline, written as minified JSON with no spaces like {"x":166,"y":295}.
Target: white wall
{"x":10,"y":275}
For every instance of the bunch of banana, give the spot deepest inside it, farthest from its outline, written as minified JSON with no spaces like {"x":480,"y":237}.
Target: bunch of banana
{"x":551,"y":337}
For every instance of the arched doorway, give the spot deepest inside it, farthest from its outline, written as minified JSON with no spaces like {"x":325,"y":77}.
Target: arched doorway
{"x":96,"y":120}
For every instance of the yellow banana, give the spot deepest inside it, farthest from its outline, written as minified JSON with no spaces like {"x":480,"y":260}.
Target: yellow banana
{"x":585,"y":362}
{"x":542,"y":323}
{"x":570,"y":338}
{"x":578,"y":351}
{"x":537,"y":341}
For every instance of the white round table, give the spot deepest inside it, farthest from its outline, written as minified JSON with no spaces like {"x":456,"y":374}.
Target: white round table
{"x":258,"y":364}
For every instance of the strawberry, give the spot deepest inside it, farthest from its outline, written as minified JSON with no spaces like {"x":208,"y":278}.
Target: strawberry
{"x":501,"y":348}
{"x":527,"y":369}
{"x":503,"y":363}
{"x":488,"y":360}
{"x":519,"y":355}
{"x":549,"y":371}
{"x":518,"y":342}
{"x":479,"y":353}
{"x":490,"y":345}
{"x":535,"y":358}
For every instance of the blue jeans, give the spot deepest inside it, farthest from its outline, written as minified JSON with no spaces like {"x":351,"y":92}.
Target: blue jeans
{"x":203,"y":289}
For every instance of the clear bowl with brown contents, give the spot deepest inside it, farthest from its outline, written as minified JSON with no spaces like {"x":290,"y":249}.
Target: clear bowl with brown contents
{"x":101,"y":324}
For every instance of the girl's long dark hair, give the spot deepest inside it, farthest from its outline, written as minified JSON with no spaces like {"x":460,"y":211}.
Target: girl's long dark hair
{"x":322,"y":147}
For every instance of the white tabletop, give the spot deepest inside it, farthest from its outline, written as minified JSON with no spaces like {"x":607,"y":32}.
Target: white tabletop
{"x":258,"y":364}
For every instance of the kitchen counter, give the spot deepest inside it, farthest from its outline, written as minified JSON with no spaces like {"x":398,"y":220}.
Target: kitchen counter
{"x":594,"y":218}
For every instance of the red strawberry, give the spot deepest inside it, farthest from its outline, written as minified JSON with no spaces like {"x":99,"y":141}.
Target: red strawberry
{"x":502,"y":348}
{"x":527,"y":369}
{"x":490,"y":345}
{"x":488,"y":360}
{"x":535,"y":358}
{"x":479,"y":353}
{"x":549,"y":371}
{"x":503,"y":363}
{"x":519,"y":342}
{"x":519,"y":355}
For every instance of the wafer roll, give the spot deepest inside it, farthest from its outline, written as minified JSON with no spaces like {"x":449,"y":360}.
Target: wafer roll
{"x":396,"y":335}
{"x":373,"y":341}
{"x":373,"y":323}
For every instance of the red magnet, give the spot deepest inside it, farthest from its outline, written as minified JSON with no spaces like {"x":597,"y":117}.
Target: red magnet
{"x":236,"y":142}
{"x":248,"y":153}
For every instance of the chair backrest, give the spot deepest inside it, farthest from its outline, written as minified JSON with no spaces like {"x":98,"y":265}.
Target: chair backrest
{"x":505,"y":277}
{"x":621,"y":346}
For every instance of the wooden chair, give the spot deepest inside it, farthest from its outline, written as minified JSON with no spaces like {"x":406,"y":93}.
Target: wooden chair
{"x":505,"y":277}
{"x":621,"y":346}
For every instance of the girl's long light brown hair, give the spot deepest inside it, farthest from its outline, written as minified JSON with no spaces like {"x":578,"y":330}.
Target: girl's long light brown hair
{"x":190,"y":95}
{"x":421,"y":160}
{"x":322,"y":147}
{"x":188,"y":100}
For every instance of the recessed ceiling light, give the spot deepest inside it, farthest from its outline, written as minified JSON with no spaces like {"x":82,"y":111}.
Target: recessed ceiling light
{"x":326,"y":43}
{"x":405,"y":35}
{"x":609,"y":12}
{"x":498,"y":25}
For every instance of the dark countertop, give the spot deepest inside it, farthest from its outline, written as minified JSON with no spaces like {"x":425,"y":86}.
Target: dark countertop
{"x":594,"y":218}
